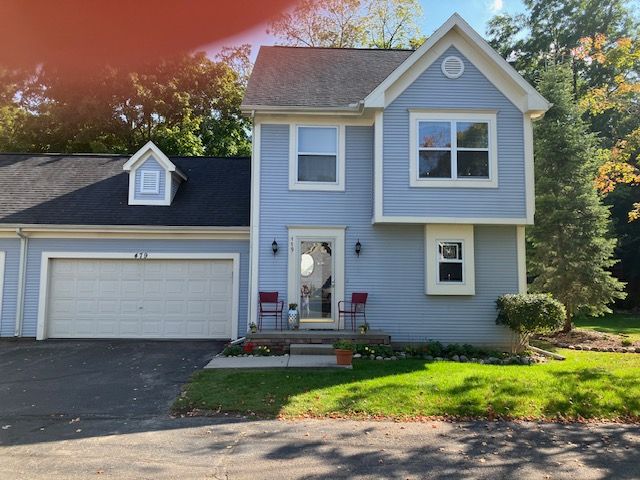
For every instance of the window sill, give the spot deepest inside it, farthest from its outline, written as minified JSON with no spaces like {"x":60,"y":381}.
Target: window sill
{"x":317,"y":187}
{"x":449,"y":183}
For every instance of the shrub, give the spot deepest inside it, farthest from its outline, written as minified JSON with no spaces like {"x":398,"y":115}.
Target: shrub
{"x":627,"y":342}
{"x":528,"y":314}
{"x":375,"y":350}
{"x":232,"y":351}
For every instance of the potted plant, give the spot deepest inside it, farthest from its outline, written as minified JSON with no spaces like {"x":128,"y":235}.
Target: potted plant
{"x":253,"y":328}
{"x":344,"y":352}
{"x":294,"y":319}
{"x":364,"y":328}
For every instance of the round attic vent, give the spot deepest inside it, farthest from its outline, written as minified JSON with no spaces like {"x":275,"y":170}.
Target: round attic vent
{"x":452,"y":67}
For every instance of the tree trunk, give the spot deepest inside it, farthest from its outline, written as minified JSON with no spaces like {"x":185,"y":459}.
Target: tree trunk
{"x":568,"y":322}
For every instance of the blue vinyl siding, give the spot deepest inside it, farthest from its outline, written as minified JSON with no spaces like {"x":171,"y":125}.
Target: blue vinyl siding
{"x":150,"y":165}
{"x":11,"y":249}
{"x":472,"y":91}
{"x":37,"y":246}
{"x":391,"y":265}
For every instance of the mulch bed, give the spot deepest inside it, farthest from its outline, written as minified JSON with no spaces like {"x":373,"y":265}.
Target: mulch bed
{"x":579,"y":339}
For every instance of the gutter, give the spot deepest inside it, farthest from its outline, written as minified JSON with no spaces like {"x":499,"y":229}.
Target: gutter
{"x":22,"y":276}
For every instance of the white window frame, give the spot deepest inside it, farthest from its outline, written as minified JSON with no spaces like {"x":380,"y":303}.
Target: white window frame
{"x":149,"y":191}
{"x":415,"y":117}
{"x":444,"y":260}
{"x":294,"y":183}
{"x":436,"y":234}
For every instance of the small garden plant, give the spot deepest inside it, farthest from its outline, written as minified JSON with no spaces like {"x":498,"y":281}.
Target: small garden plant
{"x":344,"y":345}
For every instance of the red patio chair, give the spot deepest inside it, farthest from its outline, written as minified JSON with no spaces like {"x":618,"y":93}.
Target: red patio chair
{"x":354,"y":309}
{"x":270,"y":306}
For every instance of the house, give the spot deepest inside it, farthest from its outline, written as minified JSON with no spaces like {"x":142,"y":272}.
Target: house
{"x":404,"y":174}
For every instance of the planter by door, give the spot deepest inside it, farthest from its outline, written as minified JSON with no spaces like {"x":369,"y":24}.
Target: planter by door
{"x":294,"y":319}
{"x":344,"y":357}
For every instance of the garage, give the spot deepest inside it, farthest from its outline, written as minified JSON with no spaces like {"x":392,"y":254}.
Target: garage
{"x":149,"y":296}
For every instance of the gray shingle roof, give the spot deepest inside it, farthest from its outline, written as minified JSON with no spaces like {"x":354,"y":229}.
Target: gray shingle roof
{"x":318,"y":77}
{"x":93,"y":190}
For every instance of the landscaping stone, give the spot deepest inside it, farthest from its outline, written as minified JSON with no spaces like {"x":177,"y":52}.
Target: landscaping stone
{"x":439,"y":359}
{"x":394,"y":358}
{"x":357,"y":355}
{"x":379,"y":357}
{"x":428,"y":358}
{"x":463,"y":359}
{"x":455,"y":358}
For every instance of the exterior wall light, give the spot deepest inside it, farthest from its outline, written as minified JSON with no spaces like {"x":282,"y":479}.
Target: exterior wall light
{"x":274,"y":247}
{"x":358,"y":247}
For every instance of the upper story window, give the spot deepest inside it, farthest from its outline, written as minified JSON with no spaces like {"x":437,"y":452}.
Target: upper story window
{"x":453,"y":150}
{"x":317,"y":158}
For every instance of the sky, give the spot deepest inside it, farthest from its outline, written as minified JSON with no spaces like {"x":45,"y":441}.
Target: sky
{"x":436,"y":12}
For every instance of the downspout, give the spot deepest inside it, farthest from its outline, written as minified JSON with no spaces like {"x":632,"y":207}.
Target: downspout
{"x":22,"y":275}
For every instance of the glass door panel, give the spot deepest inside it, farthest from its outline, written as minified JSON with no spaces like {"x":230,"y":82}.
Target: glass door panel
{"x":316,"y":281}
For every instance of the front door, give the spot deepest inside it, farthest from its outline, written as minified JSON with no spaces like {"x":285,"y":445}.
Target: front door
{"x":316,"y":276}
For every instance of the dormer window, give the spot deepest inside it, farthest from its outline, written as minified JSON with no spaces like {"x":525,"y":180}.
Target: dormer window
{"x":149,"y":182}
{"x":153,"y":178}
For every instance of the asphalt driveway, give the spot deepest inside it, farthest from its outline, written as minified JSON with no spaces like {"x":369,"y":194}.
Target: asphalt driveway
{"x":78,"y":410}
{"x":51,"y":383}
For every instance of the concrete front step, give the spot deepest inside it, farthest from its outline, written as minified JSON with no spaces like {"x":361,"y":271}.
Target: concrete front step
{"x":311,"y":349}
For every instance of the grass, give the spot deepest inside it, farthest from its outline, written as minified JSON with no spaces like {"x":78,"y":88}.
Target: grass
{"x":587,"y":385}
{"x":617,"y":323}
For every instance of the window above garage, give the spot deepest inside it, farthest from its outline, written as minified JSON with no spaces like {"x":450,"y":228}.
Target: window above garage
{"x":153,"y":178}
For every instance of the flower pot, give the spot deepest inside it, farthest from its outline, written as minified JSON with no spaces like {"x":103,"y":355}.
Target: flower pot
{"x":344,"y":357}
{"x":293,"y":319}
{"x":363,"y":329}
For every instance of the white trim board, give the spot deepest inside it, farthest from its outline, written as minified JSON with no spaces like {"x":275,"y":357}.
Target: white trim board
{"x":254,"y":237}
{"x":451,"y":220}
{"x":44,"y":277}
{"x":3,"y":258}
{"x":521,"y":246}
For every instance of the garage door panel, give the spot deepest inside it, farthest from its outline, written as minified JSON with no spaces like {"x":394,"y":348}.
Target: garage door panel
{"x":107,"y":298}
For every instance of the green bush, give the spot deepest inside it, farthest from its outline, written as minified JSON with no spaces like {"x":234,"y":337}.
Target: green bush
{"x":365,"y":349}
{"x":232,"y":351}
{"x":528,"y":314}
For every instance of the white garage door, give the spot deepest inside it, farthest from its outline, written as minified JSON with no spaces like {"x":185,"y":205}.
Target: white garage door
{"x":95,"y":298}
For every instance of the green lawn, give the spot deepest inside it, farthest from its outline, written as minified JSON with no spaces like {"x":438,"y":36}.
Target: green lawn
{"x":588,"y":384}
{"x":618,"y":323}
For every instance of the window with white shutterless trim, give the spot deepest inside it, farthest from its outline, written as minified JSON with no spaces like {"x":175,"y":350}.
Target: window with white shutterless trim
{"x":316,"y":157}
{"x":453,"y":149}
{"x":449,"y":260}
{"x":149,"y":182}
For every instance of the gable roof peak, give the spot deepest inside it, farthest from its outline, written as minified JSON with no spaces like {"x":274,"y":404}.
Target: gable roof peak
{"x":143,"y":154}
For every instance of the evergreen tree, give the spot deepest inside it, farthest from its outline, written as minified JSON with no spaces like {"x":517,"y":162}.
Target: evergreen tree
{"x":571,"y":250}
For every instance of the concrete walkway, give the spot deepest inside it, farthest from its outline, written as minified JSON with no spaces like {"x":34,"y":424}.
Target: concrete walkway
{"x":287,"y":361}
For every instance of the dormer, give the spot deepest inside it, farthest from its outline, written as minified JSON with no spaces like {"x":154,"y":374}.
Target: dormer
{"x":153,"y":178}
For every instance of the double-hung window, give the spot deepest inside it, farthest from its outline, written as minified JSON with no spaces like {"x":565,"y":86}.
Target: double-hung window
{"x":456,"y":150}
{"x":449,"y":260}
{"x":317,"y":162}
